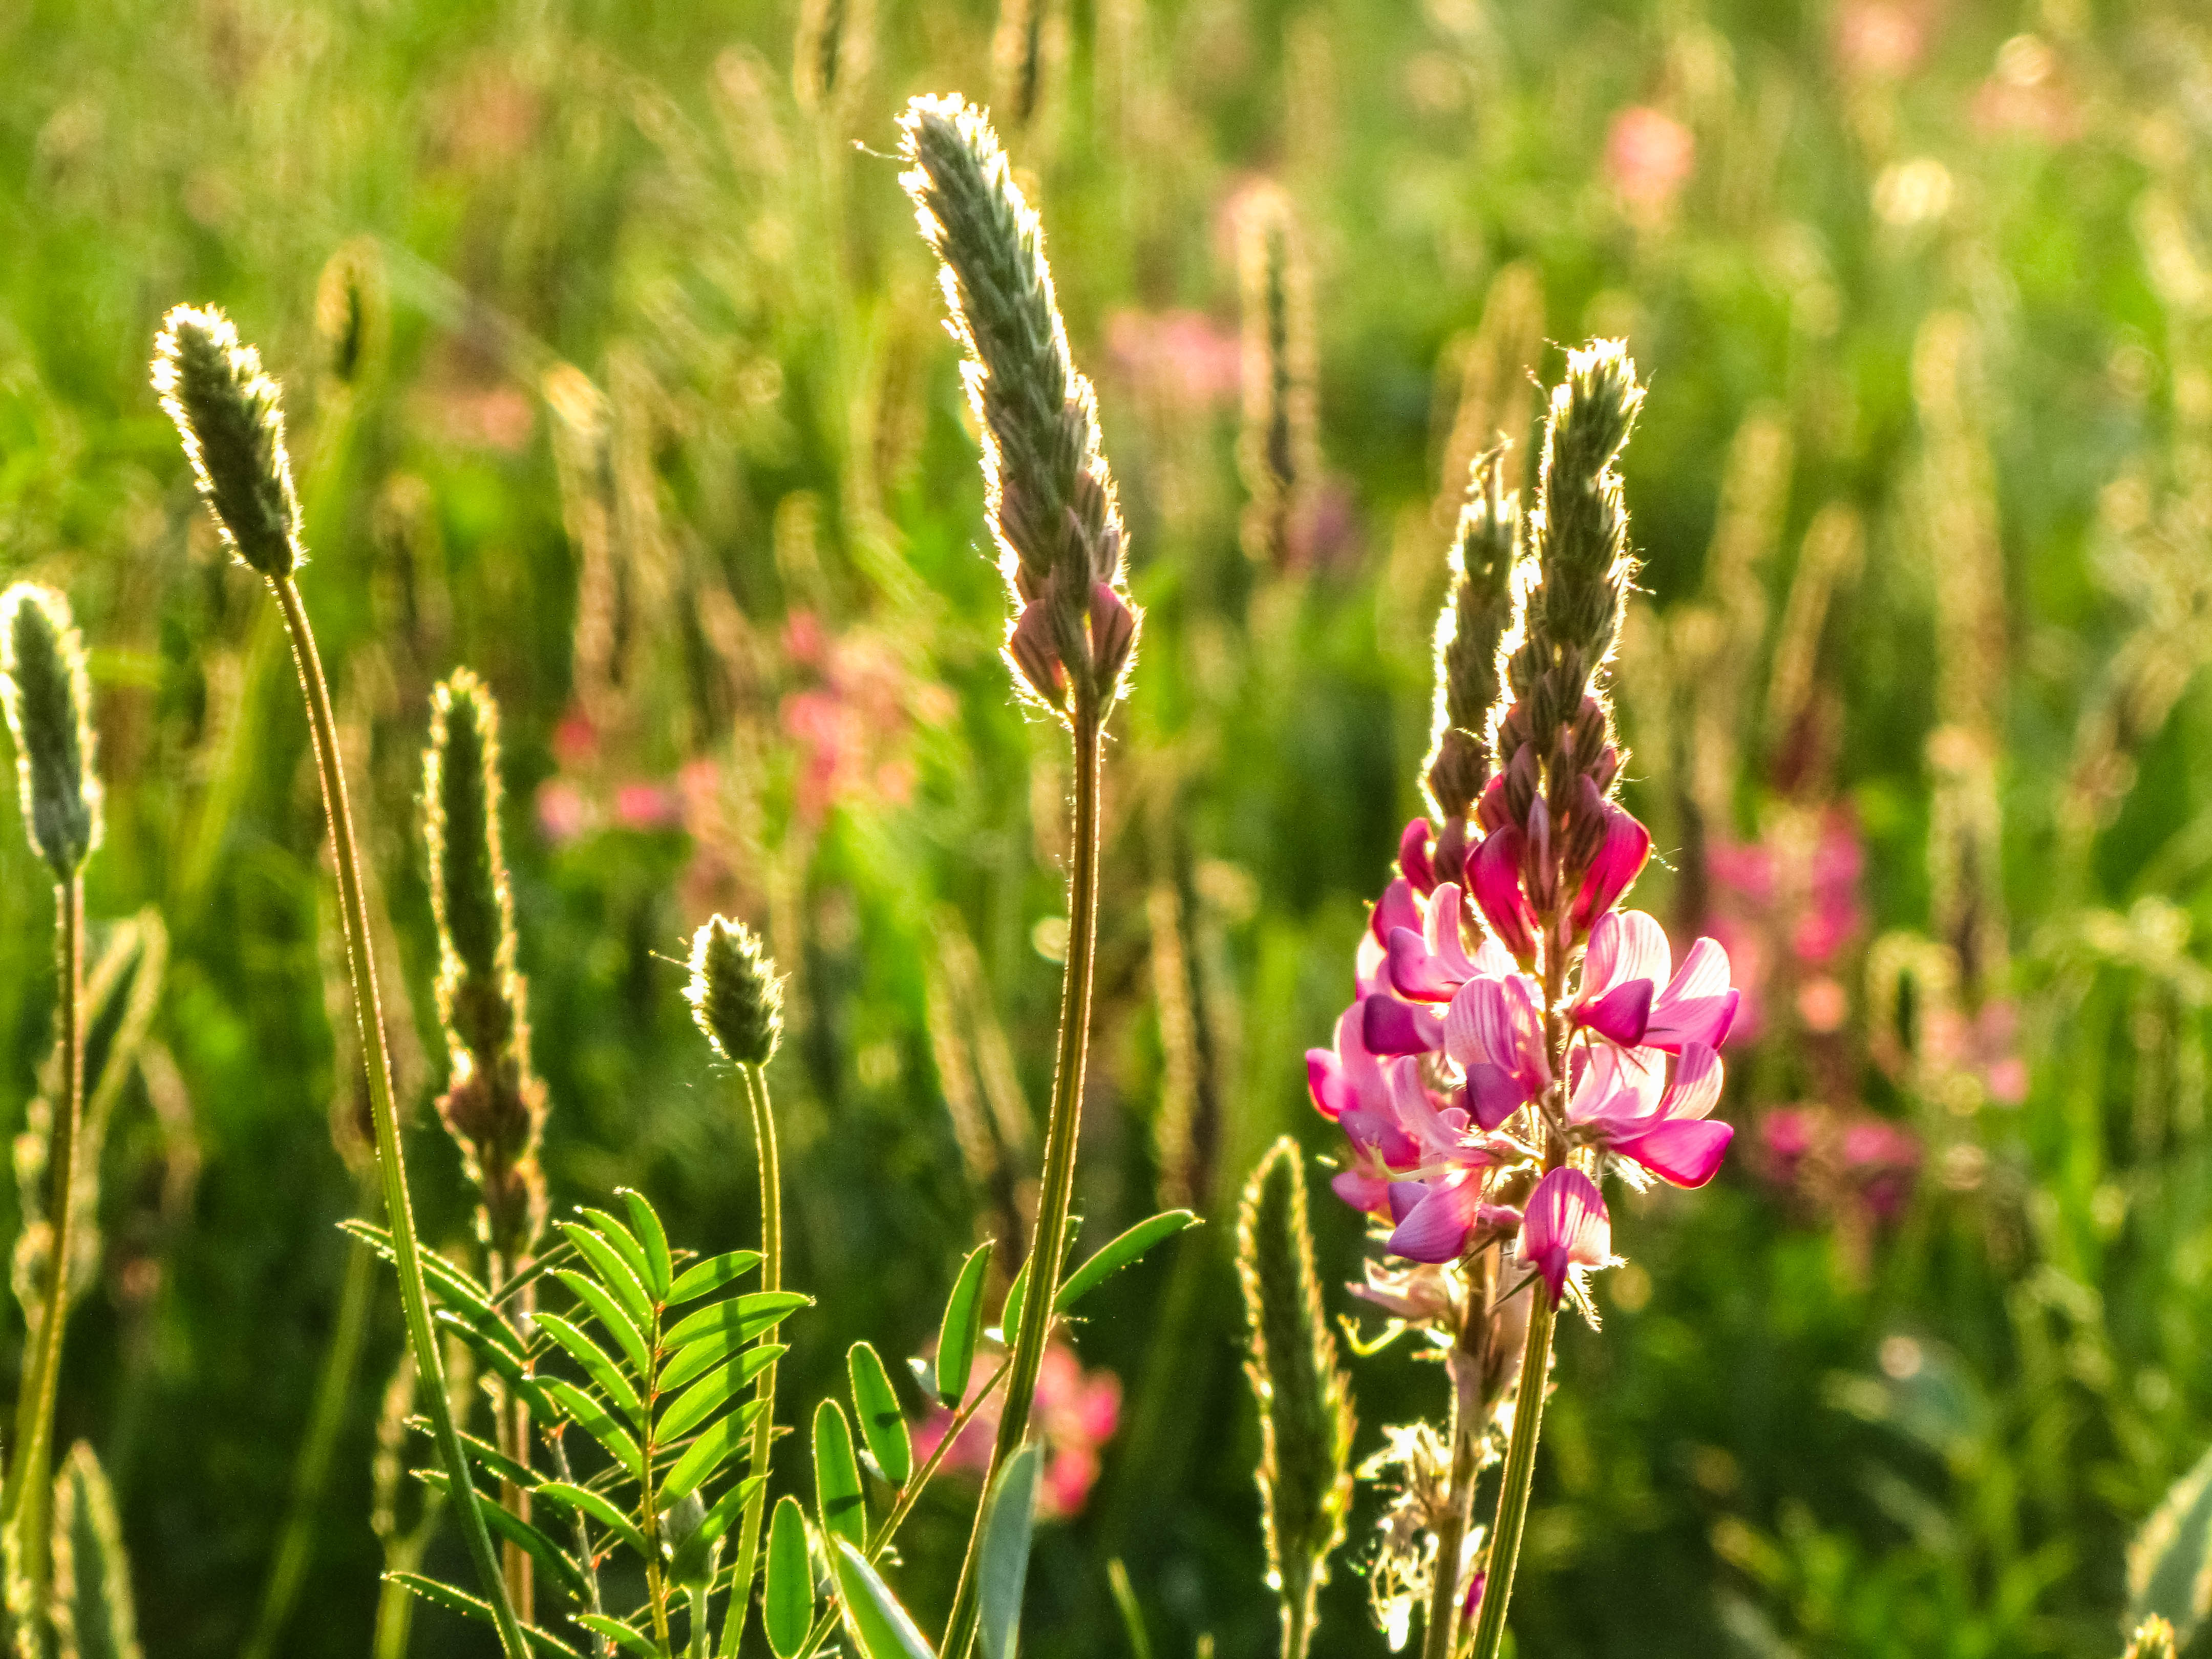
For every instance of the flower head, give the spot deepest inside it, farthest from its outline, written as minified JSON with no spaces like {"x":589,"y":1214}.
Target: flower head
{"x":735,"y":996}
{"x":1566,"y":1229}
{"x":231,"y":416}
{"x":49,"y":700}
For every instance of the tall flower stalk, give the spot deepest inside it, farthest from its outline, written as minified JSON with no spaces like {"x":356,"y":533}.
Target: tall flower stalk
{"x":739,"y":1003}
{"x":1504,"y":1055}
{"x":229,"y":415}
{"x":1049,"y":499}
{"x":48,"y":701}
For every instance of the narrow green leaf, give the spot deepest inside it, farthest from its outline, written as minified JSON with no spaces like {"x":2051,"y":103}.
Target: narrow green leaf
{"x":883,"y":1425}
{"x":453,"y":1601}
{"x":699,"y":1358}
{"x":712,"y":1392}
{"x":499,"y":1359}
{"x":1003,"y":1567}
{"x":94,"y":1615}
{"x":841,"y":1504}
{"x":787,"y":1598}
{"x":1132,"y":1616}
{"x":963,"y":1325}
{"x":614,"y":1271}
{"x":614,"y":1319}
{"x":1118,"y":1253}
{"x":592,"y":1507}
{"x":456,"y":1286}
{"x":590,"y":1414}
{"x":879,"y":1626}
{"x":719,"y":1441}
{"x":633,"y":1641}
{"x":1009,"y":1316}
{"x":749,"y":1313}
{"x":2170,"y":1562}
{"x":488,"y":1457}
{"x":626,"y":1244}
{"x":711,"y":1274}
{"x":604,"y":1370}
{"x":727,"y":1508}
{"x":557,"y":1561}
{"x":659,"y":1267}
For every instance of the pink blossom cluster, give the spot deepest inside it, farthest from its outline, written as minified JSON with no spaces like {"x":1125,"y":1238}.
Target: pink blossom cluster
{"x":1786,"y":907}
{"x":1076,"y":1412}
{"x":1538,"y":1031}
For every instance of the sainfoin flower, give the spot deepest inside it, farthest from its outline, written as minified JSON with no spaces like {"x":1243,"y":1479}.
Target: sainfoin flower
{"x":1077,"y":1412}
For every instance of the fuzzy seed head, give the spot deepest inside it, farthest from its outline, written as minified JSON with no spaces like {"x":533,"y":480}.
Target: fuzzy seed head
{"x":350,"y":314}
{"x":1472,"y":632}
{"x":49,"y":701}
{"x":734,"y":993}
{"x":467,"y":864}
{"x":231,"y":416}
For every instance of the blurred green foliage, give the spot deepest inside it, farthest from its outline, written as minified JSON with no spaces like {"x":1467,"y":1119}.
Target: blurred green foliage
{"x":614,"y":373}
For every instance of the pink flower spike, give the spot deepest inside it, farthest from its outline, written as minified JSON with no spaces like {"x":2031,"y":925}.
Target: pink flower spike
{"x":1392,"y":1027}
{"x":1565,"y":1227}
{"x":1620,"y":860}
{"x":1414,"y":857}
{"x":1494,"y":872}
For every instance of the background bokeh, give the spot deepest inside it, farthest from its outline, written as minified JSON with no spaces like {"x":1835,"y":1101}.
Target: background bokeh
{"x":645,"y":411}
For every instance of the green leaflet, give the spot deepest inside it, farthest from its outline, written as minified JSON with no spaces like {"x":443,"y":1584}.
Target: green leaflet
{"x":712,"y":1392}
{"x":1118,"y":1253}
{"x":659,"y":1266}
{"x":787,"y":1598}
{"x":557,"y":1562}
{"x":613,"y":1271}
{"x":602,"y":1369}
{"x":962,"y":1326}
{"x":494,"y":1462}
{"x":93,"y":1616}
{"x":721,"y":1440}
{"x":879,"y":1626}
{"x":883,"y":1425}
{"x":592,"y":1507}
{"x":469,"y":1302}
{"x":841,"y":1504}
{"x":1132,"y":1616}
{"x":627,"y":1245}
{"x":2168,"y":1561}
{"x":592,"y":1416}
{"x":711,"y":1274}
{"x":749,"y":1315}
{"x":632,"y":1641}
{"x":629,"y":1335}
{"x":1009,"y":1316}
{"x":731,"y":1505}
{"x":500,"y":1359}
{"x":1003,"y":1567}
{"x":453,"y":1601}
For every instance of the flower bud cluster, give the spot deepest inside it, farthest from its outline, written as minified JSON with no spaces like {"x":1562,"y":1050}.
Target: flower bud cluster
{"x":1048,"y":494}
{"x":1515,"y":1033}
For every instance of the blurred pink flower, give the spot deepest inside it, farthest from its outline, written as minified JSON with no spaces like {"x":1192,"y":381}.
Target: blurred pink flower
{"x":1183,"y":356}
{"x":852,"y":726}
{"x":1786,"y":907}
{"x":1649,"y":157}
{"x":1837,"y":1162}
{"x":563,"y":814}
{"x":1076,"y":1412}
{"x":1880,"y":40}
{"x":648,"y":806}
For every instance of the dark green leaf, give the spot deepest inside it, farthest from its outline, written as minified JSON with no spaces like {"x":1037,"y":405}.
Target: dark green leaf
{"x":556,"y":1562}
{"x":750,"y":1315}
{"x":634,"y":1641}
{"x":787,"y":1598}
{"x":711,"y":1274}
{"x":453,"y":1601}
{"x":963,"y":1325}
{"x":883,"y":1425}
{"x":629,"y":1335}
{"x":614,"y":1271}
{"x":592,"y":1507}
{"x":712,"y":1392}
{"x":494,"y":1462}
{"x":590,"y":1414}
{"x":1009,"y":1316}
{"x":660,"y":1270}
{"x":604,"y":1370}
{"x":1003,"y":1568}
{"x":879,"y":1625}
{"x":841,"y":1505}
{"x":716,"y":1444}
{"x":1118,"y":1253}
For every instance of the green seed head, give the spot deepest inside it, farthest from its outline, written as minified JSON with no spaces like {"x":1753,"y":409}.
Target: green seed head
{"x":734,"y":993}
{"x":43,"y":682}
{"x":231,"y":417}
{"x":468,"y":867}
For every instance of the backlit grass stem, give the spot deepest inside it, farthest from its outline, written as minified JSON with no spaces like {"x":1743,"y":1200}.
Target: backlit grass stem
{"x":754,"y":1082}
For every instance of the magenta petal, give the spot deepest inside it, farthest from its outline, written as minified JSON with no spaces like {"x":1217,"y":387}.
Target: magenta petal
{"x":1436,"y":1229}
{"x":1684,"y":1152}
{"x":1417,"y":971}
{"x":1620,"y":860}
{"x":1621,"y":1013}
{"x":1494,"y":872}
{"x":1113,"y":630}
{"x":1032,"y":649}
{"x":1396,"y":908}
{"x":1493,"y":1096}
{"x":1414,"y":857}
{"x":1367,"y":1192}
{"x":1564,"y":1226}
{"x":1404,"y":1195}
{"x":1331,"y":1091}
{"x":1392,"y":1027}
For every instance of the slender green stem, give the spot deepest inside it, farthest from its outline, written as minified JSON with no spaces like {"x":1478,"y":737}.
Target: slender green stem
{"x":25,"y":1493}
{"x":295,"y":1547}
{"x":1520,"y":1471}
{"x":1298,"y":1618}
{"x":656,"y":1581}
{"x":360,"y":958}
{"x":1048,"y":1240}
{"x":511,"y":1425}
{"x":1440,"y":1633}
{"x":754,"y":1082}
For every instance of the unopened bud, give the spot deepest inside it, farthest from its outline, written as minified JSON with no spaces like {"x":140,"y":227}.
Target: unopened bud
{"x":231,"y":417}
{"x":734,"y":993}
{"x":43,"y":682}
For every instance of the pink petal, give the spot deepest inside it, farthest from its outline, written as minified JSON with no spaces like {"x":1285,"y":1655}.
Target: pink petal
{"x":1113,"y":631}
{"x":1564,"y":1226}
{"x":1392,"y":1027}
{"x":1622,"y":1014}
{"x":1619,"y":1091}
{"x":1492,"y":1095}
{"x":1624,"y":946}
{"x":1416,"y":1113}
{"x":1446,"y":906}
{"x":1413,"y":856}
{"x":1698,"y":1004}
{"x":1492,"y":960}
{"x":1499,"y":1022}
{"x":1436,"y":1229}
{"x":1031,"y":647}
{"x":1494,"y":872}
{"x":1697,"y":1086}
{"x":1417,"y":972}
{"x":1363,"y":1192}
{"x":1325,"y":1080}
{"x":1685,"y":1152}
{"x":1396,"y":908}
{"x":1620,"y":860}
